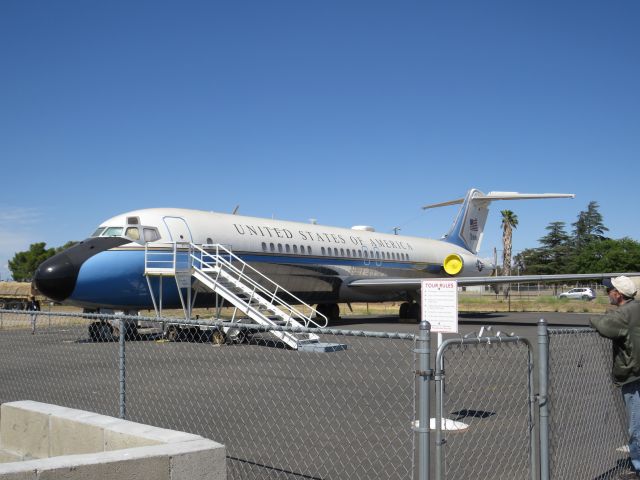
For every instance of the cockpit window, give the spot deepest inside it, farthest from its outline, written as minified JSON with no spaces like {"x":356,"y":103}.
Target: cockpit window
{"x":112,"y":232}
{"x":151,"y":235}
{"x":133,"y":233}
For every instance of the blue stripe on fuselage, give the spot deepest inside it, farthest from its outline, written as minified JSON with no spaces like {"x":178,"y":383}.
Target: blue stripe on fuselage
{"x":115,"y":278}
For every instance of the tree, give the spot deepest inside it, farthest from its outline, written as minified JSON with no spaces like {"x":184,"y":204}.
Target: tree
{"x":608,"y":255}
{"x":589,"y":226}
{"x":555,"y":248}
{"x":24,"y":264}
{"x":509,"y":222}
{"x":534,"y":261}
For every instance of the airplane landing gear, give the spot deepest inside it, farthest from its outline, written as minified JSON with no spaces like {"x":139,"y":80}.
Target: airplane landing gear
{"x":329,"y":310}
{"x":410,"y":310}
{"x":100,"y":331}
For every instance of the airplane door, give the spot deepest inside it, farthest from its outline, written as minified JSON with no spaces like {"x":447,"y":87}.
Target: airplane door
{"x":378,"y":256}
{"x":178,"y":229}
{"x":365,"y":251}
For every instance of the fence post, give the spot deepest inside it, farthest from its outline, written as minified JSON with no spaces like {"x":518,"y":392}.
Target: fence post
{"x":123,"y":386}
{"x":543,"y":399}
{"x":424,"y":376}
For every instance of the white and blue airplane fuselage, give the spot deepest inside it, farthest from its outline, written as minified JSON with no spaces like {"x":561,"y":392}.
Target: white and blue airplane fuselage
{"x":318,"y":264}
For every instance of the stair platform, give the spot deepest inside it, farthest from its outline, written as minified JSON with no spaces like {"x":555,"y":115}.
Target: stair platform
{"x":322,"y":347}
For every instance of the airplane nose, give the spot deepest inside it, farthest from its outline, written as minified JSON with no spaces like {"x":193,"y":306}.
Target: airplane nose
{"x":56,"y":277}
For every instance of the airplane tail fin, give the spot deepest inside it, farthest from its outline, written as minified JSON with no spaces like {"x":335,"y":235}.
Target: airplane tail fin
{"x":468,"y":227}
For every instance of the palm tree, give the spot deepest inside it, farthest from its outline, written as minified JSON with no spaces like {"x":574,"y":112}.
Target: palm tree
{"x":509,"y":222}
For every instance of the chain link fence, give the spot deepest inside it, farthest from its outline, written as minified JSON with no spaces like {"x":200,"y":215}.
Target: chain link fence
{"x":587,"y":428}
{"x":347,"y":413}
{"x":280,"y":413}
{"x":486,"y":385}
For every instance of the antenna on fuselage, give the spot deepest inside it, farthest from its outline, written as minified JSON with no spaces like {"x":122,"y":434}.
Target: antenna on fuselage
{"x":235,"y":210}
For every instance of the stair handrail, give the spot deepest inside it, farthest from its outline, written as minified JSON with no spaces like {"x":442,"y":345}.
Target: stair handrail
{"x":219,"y":259}
{"x":167,"y":259}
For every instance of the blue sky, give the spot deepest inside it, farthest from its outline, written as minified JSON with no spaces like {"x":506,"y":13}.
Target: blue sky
{"x":350,"y":112}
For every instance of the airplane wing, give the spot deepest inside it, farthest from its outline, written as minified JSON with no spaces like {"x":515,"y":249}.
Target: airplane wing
{"x":399,"y":284}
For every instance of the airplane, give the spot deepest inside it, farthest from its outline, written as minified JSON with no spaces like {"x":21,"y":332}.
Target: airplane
{"x":318,"y":264}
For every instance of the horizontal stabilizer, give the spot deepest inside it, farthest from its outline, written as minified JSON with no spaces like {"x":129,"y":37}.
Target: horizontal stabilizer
{"x":491,"y":196}
{"x":468,"y":227}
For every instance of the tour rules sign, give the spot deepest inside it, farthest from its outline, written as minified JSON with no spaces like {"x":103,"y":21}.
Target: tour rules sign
{"x":440,"y":305}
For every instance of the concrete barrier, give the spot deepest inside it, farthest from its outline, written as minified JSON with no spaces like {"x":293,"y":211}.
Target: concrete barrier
{"x":39,"y":441}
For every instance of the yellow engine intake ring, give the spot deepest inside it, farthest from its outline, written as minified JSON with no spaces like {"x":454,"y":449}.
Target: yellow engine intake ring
{"x":453,"y":264}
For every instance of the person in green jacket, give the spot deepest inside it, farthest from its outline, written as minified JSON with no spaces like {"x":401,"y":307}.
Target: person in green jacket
{"x":622,"y":326}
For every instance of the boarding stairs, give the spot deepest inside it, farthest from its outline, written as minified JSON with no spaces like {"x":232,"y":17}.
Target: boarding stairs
{"x":219,"y":270}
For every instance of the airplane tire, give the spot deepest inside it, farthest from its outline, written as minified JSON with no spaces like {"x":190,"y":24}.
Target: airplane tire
{"x":329,"y":310}
{"x":100,"y":332}
{"x":172,"y":334}
{"x":334,"y":312}
{"x":322,"y":309}
{"x":240,"y":335}
{"x":218,"y":337}
{"x":414,"y":311}
{"x":404,"y":310}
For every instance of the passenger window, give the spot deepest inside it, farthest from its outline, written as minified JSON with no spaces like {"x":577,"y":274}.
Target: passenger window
{"x":295,"y":249}
{"x":280,"y":247}
{"x":322,"y":251}
{"x":302,"y":249}
{"x":272,"y":247}
{"x":151,"y":235}
{"x":366,"y":254}
{"x":360,"y":253}
{"x":287,"y":248}
{"x":348,"y":252}
{"x":264,"y":247}
{"x":309,"y":250}
{"x":342,"y":252}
